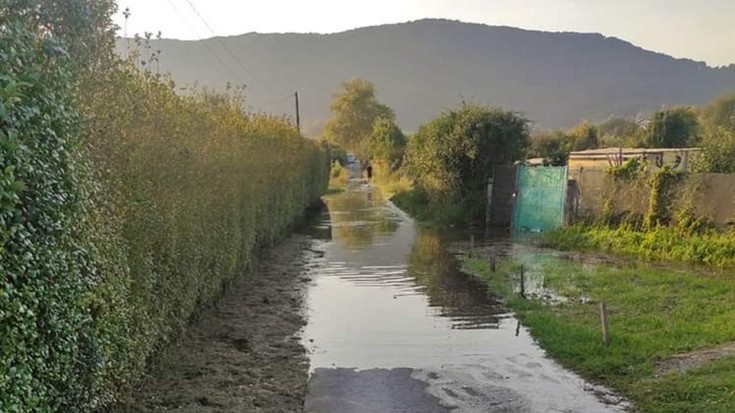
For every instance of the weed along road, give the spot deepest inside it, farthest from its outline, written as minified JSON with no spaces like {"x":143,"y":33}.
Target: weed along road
{"x":394,"y":326}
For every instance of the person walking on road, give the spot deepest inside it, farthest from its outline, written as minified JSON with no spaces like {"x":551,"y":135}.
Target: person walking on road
{"x":369,"y":169}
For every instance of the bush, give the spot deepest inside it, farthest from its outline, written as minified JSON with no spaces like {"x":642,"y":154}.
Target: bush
{"x":452,"y":156}
{"x":124,"y":207}
{"x":387,"y":144}
{"x":627,"y":171}
{"x":214,"y":183}
{"x":49,"y":355}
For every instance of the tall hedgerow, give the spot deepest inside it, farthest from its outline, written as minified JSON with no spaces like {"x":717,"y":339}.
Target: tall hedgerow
{"x":124,"y":206}
{"x":49,"y":354}
{"x":194,"y":186}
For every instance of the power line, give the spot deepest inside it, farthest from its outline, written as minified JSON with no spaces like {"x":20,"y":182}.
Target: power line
{"x":206,"y":45}
{"x":227,"y":49}
{"x":277,"y":99}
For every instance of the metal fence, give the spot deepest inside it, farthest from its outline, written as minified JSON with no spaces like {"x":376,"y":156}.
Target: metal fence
{"x":540,"y":200}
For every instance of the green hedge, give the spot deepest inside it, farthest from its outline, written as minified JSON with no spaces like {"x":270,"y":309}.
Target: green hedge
{"x":47,"y":341}
{"x":124,"y":207}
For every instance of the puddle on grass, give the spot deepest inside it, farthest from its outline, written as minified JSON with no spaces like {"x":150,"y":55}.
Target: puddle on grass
{"x":387,"y":294}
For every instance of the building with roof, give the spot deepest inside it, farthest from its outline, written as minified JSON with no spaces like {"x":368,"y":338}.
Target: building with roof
{"x":603,"y":159}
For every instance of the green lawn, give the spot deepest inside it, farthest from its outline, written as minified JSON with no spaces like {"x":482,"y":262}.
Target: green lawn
{"x":654,"y":314}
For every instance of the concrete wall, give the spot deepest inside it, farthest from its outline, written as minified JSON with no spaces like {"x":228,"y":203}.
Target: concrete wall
{"x":711,"y":196}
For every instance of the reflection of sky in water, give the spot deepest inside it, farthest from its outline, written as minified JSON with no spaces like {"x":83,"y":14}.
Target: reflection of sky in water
{"x":388,"y":294}
{"x":536,"y":262}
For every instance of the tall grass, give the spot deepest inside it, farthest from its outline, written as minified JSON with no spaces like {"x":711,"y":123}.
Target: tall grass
{"x":390,"y":182}
{"x":709,"y":247}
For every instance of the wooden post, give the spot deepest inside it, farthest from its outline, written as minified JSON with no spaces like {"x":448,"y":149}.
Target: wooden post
{"x":605,"y":327}
{"x":472,"y":244}
{"x":298,"y":112}
{"x":492,"y":263}
{"x":489,"y":203}
{"x":523,"y":283}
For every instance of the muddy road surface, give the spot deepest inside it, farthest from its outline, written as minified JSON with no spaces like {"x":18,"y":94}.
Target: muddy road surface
{"x":394,"y":326}
{"x":243,"y":355}
{"x":364,"y":312}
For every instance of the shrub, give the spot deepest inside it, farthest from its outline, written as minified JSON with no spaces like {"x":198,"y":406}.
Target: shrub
{"x":124,"y":207}
{"x":191,"y":187}
{"x":50,"y":357}
{"x":452,"y":156}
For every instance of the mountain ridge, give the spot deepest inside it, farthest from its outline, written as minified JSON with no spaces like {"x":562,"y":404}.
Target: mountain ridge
{"x":425,"y":66}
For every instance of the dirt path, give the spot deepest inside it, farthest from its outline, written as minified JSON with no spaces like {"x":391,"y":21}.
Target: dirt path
{"x":682,"y":363}
{"x":243,"y":355}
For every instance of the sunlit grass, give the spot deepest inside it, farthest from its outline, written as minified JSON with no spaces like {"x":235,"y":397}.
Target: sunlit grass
{"x":392,"y":183}
{"x":654,"y":313}
{"x":712,"y":248}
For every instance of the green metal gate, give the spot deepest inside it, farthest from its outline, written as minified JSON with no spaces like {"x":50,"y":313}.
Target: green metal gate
{"x":540,"y":198}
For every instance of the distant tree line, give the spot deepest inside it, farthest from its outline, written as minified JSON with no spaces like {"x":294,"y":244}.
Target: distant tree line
{"x":450,"y":158}
{"x":711,"y":127}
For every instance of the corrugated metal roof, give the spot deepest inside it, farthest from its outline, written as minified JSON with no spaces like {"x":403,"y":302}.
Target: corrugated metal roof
{"x":605,"y":152}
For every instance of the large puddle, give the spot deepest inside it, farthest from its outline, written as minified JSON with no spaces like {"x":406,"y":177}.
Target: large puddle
{"x":388,"y":295}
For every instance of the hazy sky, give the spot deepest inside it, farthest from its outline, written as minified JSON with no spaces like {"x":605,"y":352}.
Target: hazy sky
{"x":696,"y":29}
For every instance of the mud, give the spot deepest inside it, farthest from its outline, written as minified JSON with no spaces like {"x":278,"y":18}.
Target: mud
{"x":682,"y":363}
{"x":369,"y":391}
{"x":243,"y":355}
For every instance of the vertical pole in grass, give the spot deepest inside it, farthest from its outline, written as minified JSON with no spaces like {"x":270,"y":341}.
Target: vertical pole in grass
{"x":472,"y":244}
{"x":523,"y":282}
{"x":605,"y":327}
{"x":492,"y":263}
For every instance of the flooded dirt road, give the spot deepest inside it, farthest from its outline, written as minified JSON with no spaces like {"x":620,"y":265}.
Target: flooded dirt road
{"x":394,"y":326}
{"x":243,"y":354}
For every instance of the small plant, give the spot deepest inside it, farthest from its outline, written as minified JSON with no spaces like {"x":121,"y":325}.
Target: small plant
{"x":628,"y":171}
{"x":661,"y":183}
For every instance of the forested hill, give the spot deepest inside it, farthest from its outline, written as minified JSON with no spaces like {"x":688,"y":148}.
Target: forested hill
{"x":423,"y":67}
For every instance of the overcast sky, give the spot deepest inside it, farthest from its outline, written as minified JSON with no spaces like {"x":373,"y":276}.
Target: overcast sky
{"x":697,"y":29}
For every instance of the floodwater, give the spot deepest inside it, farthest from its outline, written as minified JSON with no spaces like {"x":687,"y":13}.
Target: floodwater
{"x":394,"y":326}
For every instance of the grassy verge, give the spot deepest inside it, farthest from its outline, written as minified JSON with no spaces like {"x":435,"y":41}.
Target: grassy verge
{"x":415,"y":203}
{"x":391,"y":184}
{"x":654,"y":314}
{"x":334,"y":190}
{"x":710,"y":248}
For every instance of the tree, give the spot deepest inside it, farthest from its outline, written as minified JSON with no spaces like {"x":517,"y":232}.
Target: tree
{"x":720,"y":113}
{"x":554,"y":147}
{"x":673,"y":128}
{"x":387,"y":142}
{"x":718,"y":151}
{"x":584,"y":136}
{"x":452,"y":156}
{"x":618,"y":126}
{"x":354,"y":110}
{"x":718,"y":138}
{"x":618,"y":131}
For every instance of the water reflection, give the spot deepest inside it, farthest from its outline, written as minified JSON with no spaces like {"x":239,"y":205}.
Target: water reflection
{"x":388,"y":294}
{"x":385,"y":294}
{"x":358,"y":216}
{"x":464,"y":300}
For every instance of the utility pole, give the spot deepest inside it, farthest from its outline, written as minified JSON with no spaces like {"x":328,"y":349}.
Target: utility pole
{"x":126,"y":13}
{"x":298,"y":114}
{"x":158,"y":53}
